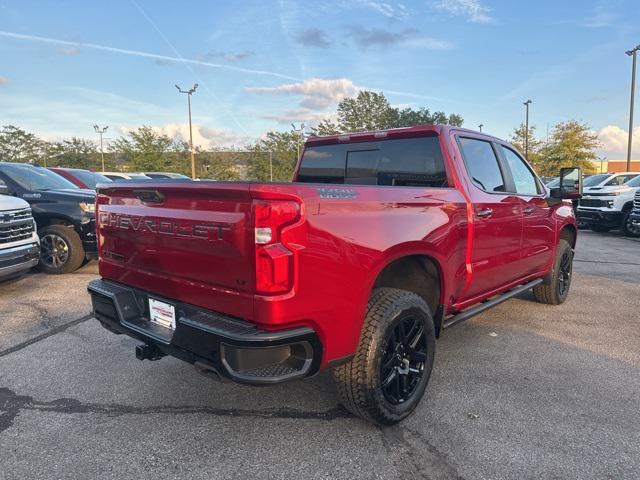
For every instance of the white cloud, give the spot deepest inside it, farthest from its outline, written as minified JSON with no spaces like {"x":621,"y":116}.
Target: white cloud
{"x":203,"y":136}
{"x":614,"y":142}
{"x":4,"y":80}
{"x":316,"y":92}
{"x":473,"y":10}
{"x":69,"y":51}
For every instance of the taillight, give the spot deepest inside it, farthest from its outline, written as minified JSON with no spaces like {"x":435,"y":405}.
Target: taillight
{"x":274,"y":261}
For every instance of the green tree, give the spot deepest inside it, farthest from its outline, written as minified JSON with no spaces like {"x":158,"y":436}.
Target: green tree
{"x":17,"y":145}
{"x":536,"y":150}
{"x":372,"y":111}
{"x":283,"y":147}
{"x":147,"y":150}
{"x":74,"y":153}
{"x":226,"y":164}
{"x":572,"y":144}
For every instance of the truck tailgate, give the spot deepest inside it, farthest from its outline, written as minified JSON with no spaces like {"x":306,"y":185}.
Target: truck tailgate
{"x":193,"y":241}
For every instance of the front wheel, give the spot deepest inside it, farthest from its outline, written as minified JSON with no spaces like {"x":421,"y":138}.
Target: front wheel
{"x":388,"y":375}
{"x":629,"y":228}
{"x":556,"y":291}
{"x":61,"y":249}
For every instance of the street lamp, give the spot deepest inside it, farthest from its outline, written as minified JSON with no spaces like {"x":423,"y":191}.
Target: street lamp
{"x":100,"y":131}
{"x":632,"y":53}
{"x":190,"y":92}
{"x":480,"y":127}
{"x":301,"y":137}
{"x":526,"y":130}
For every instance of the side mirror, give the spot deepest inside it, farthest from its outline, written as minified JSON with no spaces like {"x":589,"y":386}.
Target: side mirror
{"x":570,"y":184}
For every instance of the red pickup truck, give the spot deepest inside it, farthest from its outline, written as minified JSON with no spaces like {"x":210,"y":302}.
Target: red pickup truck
{"x":382,"y":240}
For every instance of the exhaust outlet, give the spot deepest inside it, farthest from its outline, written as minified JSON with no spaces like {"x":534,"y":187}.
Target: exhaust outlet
{"x":209,"y":372}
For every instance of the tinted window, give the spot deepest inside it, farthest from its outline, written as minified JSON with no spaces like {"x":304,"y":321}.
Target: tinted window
{"x":402,"y":162}
{"x":594,"y":180}
{"x":90,"y":179}
{"x":482,"y":164}
{"x":524,"y":180}
{"x":36,"y":178}
{"x":635,"y":182}
{"x":620,"y":180}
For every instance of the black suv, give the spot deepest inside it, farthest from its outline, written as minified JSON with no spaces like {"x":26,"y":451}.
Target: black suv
{"x":64,"y":214}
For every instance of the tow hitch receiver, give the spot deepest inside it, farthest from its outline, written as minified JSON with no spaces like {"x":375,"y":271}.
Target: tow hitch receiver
{"x":148,"y":352}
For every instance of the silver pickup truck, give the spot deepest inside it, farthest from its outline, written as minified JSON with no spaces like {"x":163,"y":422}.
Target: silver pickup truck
{"x":19,"y":242}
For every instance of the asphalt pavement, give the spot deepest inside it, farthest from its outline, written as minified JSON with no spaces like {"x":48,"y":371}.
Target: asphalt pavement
{"x":522,"y":391}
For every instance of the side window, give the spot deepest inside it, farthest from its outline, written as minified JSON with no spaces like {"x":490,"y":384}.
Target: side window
{"x":524,"y":180}
{"x":482,"y":164}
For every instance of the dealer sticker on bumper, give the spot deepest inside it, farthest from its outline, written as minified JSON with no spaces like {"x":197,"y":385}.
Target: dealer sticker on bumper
{"x":162,"y":313}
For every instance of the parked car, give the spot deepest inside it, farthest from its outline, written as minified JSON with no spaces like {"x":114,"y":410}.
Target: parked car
{"x":166,"y":175}
{"x":633,"y":222}
{"x":19,"y":242}
{"x":124,"y":177}
{"x":81,"y":178}
{"x":383,"y":240}
{"x":64,"y":213}
{"x":609,"y":207}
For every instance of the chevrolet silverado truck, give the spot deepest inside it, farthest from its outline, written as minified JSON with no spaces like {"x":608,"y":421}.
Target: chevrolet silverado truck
{"x":64,"y":213}
{"x":19,"y":242}
{"x":382,"y":241}
{"x":609,"y":206}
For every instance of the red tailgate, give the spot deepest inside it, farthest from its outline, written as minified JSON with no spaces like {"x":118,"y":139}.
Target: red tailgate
{"x":187,"y":241}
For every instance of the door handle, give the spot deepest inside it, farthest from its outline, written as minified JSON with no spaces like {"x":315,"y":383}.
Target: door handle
{"x":528,"y":210}
{"x":485,"y":212}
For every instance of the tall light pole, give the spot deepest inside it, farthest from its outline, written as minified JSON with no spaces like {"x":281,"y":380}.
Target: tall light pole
{"x":480,"y":127}
{"x":632,"y":53}
{"x":300,"y":138}
{"x":526,"y":129}
{"x":100,"y":131}
{"x":190,"y":92}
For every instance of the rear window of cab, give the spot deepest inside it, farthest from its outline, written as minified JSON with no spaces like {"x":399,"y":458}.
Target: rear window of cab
{"x":414,"y":162}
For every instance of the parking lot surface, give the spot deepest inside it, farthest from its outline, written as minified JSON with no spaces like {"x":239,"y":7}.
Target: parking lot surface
{"x":522,"y":391}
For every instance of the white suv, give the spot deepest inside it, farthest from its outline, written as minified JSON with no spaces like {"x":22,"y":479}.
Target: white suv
{"x":19,"y":242}
{"x":607,"y":205}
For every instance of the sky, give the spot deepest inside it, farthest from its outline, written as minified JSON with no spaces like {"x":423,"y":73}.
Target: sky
{"x":261,"y":65}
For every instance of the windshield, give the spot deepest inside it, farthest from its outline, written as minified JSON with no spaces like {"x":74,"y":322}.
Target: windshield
{"x":36,"y":178}
{"x":90,"y":179}
{"x":138,"y":176}
{"x":594,"y":180}
{"x":554,"y":183}
{"x":635,"y":182}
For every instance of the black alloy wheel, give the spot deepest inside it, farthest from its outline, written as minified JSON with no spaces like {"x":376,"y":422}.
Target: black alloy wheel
{"x":402,"y":364}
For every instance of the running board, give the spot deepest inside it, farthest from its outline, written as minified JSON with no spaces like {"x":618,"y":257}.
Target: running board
{"x":473,"y":311}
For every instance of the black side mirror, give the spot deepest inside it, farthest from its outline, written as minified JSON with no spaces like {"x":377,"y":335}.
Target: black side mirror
{"x":570,"y":184}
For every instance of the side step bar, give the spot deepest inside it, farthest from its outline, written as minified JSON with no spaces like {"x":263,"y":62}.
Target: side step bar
{"x":473,"y":311}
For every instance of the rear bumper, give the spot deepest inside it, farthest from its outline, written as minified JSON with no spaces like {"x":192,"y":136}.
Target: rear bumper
{"x":231,"y":348}
{"x":17,"y":259}
{"x":600,"y":217}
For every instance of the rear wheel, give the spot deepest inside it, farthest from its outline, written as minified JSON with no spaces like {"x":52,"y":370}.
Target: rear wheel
{"x":61,"y":249}
{"x":388,"y":375}
{"x":557,"y":290}
{"x":629,"y":228}
{"x":599,"y":228}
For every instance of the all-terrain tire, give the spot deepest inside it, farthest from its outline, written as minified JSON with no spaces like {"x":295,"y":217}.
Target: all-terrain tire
{"x":69,"y":252}
{"x":359,"y":381}
{"x":554,"y":292}
{"x":628,"y":228}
